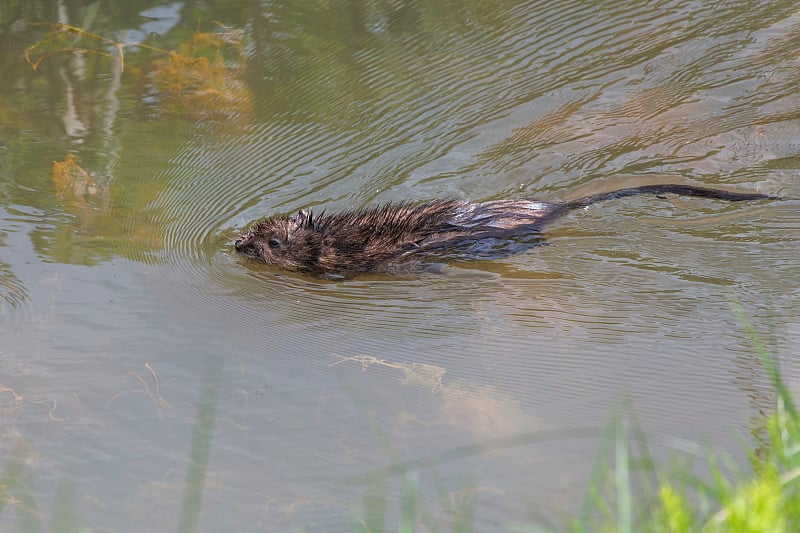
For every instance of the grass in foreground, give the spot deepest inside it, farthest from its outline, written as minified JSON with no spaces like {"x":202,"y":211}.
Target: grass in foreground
{"x":628,"y":494}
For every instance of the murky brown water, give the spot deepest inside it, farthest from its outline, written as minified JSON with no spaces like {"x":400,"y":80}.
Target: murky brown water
{"x":126,"y":321}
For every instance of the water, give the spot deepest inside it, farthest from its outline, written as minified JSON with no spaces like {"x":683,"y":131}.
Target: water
{"x":130,"y":334}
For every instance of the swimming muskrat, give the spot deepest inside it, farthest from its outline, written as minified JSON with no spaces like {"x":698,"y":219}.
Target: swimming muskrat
{"x":378,"y":239}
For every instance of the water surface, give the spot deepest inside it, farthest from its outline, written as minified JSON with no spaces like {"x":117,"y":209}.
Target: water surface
{"x":130,"y":334}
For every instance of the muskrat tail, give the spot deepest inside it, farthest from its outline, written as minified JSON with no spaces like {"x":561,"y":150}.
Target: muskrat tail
{"x":667,"y":188}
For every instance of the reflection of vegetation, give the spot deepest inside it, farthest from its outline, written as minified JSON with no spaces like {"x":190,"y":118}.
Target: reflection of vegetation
{"x":107,"y":195}
{"x":203,"y":79}
{"x":72,"y":180}
{"x":312,"y":54}
{"x":301,"y":59}
{"x":64,"y":38}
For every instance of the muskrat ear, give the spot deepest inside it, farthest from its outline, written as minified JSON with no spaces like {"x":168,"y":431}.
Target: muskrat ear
{"x":305,"y":219}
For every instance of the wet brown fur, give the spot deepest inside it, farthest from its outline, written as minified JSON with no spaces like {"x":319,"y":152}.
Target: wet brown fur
{"x":377,"y":239}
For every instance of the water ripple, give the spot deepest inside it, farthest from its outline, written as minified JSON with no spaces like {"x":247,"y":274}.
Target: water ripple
{"x":545,"y":101}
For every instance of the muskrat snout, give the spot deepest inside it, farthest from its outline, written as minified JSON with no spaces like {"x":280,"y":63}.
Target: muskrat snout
{"x":244,"y":245}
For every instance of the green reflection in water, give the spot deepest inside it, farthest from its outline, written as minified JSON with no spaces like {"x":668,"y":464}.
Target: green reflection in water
{"x":71,"y":101}
{"x":75,"y":83}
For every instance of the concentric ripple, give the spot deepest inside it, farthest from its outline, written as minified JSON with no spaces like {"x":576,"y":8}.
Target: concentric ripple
{"x":533,"y":99}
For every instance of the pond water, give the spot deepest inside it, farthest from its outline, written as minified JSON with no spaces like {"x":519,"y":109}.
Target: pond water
{"x":151,"y":380}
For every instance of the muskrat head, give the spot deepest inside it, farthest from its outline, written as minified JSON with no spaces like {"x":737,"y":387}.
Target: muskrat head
{"x":292,"y":243}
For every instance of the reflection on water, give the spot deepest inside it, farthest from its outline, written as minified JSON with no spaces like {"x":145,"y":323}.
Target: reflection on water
{"x":148,"y":136}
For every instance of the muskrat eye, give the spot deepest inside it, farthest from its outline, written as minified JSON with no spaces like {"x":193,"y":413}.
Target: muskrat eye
{"x":273,"y":242}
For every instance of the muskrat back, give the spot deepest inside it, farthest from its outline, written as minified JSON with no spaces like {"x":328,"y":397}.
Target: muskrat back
{"x":377,"y":239}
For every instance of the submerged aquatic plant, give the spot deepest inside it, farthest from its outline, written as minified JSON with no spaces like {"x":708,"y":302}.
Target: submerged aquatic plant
{"x":628,"y":493}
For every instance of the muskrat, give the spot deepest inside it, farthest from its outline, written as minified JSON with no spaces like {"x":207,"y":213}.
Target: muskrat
{"x":378,"y":239}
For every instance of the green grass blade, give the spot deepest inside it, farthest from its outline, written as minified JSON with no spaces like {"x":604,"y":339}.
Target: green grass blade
{"x":201,"y":450}
{"x":374,"y":512}
{"x":408,"y":511}
{"x":64,"y":519}
{"x":622,"y":477}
